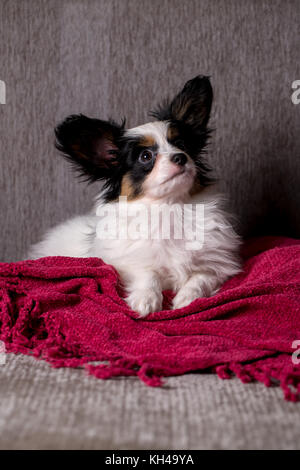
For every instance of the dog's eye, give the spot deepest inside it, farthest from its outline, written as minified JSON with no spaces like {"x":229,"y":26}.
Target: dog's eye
{"x":179,"y":144}
{"x":146,"y":156}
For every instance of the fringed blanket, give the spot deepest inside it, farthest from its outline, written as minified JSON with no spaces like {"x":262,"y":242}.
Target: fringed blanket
{"x":70,"y":312}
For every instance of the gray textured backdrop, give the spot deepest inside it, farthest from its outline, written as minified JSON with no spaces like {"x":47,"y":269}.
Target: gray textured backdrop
{"x":119,"y":57}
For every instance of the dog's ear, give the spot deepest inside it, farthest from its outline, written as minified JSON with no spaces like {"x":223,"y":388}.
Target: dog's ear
{"x":191,"y":106}
{"x":91,"y":145}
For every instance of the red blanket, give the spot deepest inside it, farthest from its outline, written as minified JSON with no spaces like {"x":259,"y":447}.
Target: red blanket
{"x":70,"y":312}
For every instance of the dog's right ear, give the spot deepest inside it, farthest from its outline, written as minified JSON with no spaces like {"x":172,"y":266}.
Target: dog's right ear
{"x":191,"y":106}
{"x":91,"y":145}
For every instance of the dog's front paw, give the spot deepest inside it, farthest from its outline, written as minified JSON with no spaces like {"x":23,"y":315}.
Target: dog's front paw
{"x":145,"y":301}
{"x":198,"y":285}
{"x":185,"y":296}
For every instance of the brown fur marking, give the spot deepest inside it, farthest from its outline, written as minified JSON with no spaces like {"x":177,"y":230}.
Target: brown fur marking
{"x":147,"y":141}
{"x":127,"y":189}
{"x":172,"y":133}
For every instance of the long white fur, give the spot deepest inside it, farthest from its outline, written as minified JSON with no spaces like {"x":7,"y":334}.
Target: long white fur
{"x":148,"y":266}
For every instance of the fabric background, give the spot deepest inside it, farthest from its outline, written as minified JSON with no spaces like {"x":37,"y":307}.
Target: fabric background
{"x":119,"y":58}
{"x":44,"y":408}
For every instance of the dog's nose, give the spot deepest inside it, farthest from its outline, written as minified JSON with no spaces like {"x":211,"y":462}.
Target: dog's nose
{"x":179,"y":158}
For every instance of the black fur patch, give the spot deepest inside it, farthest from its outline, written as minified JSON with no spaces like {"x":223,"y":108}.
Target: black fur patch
{"x":128,"y":164}
{"x":91,"y":145}
{"x":191,"y":106}
{"x":100,"y":151}
{"x":132,"y":147}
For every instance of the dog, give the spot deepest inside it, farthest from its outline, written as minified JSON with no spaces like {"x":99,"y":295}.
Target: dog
{"x":157,"y":164}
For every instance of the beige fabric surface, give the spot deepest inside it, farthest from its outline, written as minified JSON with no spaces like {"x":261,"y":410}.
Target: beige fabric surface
{"x":46,"y":408}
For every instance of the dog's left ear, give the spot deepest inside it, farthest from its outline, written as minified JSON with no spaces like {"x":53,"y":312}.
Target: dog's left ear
{"x":191,"y":106}
{"x":91,"y":145}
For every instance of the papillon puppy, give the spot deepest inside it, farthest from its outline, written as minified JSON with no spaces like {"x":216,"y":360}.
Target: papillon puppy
{"x":156,"y":165}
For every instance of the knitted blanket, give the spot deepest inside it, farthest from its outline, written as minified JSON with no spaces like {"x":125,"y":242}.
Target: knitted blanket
{"x":70,"y":312}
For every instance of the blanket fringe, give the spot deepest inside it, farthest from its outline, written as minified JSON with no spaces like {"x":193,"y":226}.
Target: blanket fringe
{"x":125,"y":367}
{"x":266,"y":372}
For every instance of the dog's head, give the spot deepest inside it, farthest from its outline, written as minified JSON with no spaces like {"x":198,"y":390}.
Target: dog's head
{"x":157,"y":160}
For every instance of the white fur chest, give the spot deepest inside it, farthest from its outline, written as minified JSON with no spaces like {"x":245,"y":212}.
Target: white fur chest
{"x":174,"y":244}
